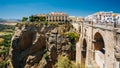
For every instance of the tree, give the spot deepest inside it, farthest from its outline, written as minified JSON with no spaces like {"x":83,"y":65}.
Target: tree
{"x":37,"y":19}
{"x":73,"y":36}
{"x":42,"y":18}
{"x":24,"y":19}
{"x":1,"y":41}
{"x":31,"y":18}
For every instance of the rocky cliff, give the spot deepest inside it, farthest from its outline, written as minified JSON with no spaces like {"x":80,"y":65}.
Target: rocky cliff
{"x":38,"y":46}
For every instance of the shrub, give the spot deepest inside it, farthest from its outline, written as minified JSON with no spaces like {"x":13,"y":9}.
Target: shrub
{"x":46,"y":23}
{"x":64,"y":62}
{"x":4,"y":50}
{"x":1,"y":41}
{"x":46,"y":56}
{"x":73,"y":36}
{"x":7,"y":40}
{"x":5,"y":63}
{"x":6,"y":28}
{"x":19,"y":25}
{"x":53,"y":24}
{"x":24,"y":19}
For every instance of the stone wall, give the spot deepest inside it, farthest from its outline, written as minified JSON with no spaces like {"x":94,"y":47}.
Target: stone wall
{"x":110,"y":40}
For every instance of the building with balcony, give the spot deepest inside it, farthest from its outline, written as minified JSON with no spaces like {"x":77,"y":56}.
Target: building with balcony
{"x":101,"y":17}
{"x":59,"y":17}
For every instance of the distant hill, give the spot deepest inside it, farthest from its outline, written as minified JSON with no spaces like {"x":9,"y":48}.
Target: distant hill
{"x":9,"y":20}
{"x":2,"y":20}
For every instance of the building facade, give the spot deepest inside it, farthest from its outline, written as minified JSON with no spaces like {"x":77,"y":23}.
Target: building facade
{"x":57,"y":17}
{"x":118,"y":19}
{"x":102,"y":17}
{"x":75,"y":19}
{"x":99,"y":45}
{"x":60,"y":17}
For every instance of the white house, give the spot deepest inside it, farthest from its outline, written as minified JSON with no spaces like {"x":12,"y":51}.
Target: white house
{"x":118,"y":19}
{"x":101,"y":17}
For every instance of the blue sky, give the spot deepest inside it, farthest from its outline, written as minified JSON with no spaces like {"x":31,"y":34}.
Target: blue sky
{"x":16,"y":9}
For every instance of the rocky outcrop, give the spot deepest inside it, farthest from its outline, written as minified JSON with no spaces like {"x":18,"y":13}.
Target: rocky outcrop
{"x":39,"y":46}
{"x":58,"y":44}
{"x":117,"y":47}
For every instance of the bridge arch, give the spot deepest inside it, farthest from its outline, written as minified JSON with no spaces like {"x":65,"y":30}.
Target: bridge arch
{"x":99,"y":49}
{"x":83,"y":53}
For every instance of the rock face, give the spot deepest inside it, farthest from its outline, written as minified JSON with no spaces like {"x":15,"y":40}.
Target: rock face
{"x":39,"y":47}
{"x":58,"y":44}
{"x":117,"y":48}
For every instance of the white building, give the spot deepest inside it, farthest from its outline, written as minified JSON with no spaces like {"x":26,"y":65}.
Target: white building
{"x":101,"y":17}
{"x":80,"y":19}
{"x":118,"y":18}
{"x":72,"y":18}
{"x":75,"y":19}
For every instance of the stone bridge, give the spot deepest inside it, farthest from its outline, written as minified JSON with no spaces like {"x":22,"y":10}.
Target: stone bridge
{"x":98,"y":45}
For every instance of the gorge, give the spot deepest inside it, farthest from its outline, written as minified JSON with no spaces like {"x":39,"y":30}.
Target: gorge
{"x":37,"y":45}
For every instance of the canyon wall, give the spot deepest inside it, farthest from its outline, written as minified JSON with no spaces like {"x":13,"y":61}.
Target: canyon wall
{"x":38,"y":46}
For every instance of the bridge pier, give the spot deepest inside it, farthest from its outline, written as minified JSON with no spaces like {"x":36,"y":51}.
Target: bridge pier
{"x":100,"y":49}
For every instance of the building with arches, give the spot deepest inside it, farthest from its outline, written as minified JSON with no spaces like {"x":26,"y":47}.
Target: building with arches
{"x":59,"y":17}
{"x":98,"y":46}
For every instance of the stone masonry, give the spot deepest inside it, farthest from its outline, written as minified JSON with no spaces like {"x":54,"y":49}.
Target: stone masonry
{"x":98,"y":46}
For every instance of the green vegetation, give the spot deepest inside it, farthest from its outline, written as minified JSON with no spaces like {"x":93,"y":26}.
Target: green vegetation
{"x":69,"y":27}
{"x":6,"y":32}
{"x":37,"y":19}
{"x":35,"y":24}
{"x":1,"y":41}
{"x":64,"y":62}
{"x":5,"y":63}
{"x":46,"y":56}
{"x":73,"y":36}
{"x":41,"y":18}
{"x":31,"y":19}
{"x":24,"y":19}
{"x":5,"y":39}
{"x":8,"y":28}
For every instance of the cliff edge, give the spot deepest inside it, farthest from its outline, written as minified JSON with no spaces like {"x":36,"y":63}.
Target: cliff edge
{"x":38,"y":46}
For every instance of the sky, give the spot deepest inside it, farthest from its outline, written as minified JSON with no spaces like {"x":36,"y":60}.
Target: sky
{"x":16,"y":9}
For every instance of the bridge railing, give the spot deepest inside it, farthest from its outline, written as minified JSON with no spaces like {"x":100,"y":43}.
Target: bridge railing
{"x":106,"y":24}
